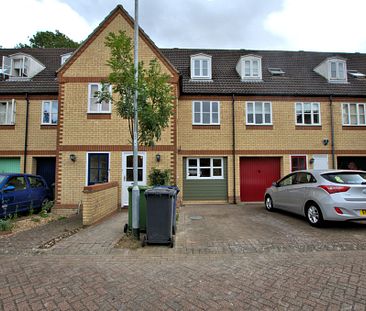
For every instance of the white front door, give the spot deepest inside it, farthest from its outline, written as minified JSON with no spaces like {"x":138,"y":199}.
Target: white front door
{"x":320,"y":162}
{"x":127,"y":173}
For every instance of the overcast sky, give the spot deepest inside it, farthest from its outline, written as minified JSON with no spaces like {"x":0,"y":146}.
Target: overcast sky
{"x":312,"y":25}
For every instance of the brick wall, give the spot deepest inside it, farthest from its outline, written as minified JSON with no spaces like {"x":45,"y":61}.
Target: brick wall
{"x":99,"y":201}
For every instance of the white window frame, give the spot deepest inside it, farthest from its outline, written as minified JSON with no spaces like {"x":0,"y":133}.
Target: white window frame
{"x":51,"y":102}
{"x":337,"y":78}
{"x":87,"y":165}
{"x":349,"y":114}
{"x":65,"y":57}
{"x":201,"y":58}
{"x":13,"y":112}
{"x":312,"y":114}
{"x":263,"y":114}
{"x":251,"y":59}
{"x":211,"y":168}
{"x":24,"y":66}
{"x":201,"y":112}
{"x":90,"y":97}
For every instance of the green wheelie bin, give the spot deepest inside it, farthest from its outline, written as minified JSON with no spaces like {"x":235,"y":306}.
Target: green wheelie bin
{"x":128,"y":226}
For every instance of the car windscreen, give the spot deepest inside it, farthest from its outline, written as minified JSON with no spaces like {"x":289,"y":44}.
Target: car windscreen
{"x":2,"y":177}
{"x":354,"y":178}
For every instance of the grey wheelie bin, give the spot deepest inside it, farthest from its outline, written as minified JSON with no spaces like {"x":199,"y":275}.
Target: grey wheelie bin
{"x":159,"y":216}
{"x":174,"y":220}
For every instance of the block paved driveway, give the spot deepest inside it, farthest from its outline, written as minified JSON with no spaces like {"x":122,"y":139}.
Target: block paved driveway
{"x":226,"y":258}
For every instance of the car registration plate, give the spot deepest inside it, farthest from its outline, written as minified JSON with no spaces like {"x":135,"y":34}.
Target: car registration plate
{"x":363,"y":212}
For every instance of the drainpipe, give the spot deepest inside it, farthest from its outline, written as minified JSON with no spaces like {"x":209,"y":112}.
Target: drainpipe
{"x":332,"y":130}
{"x":234,"y":146}
{"x":26,"y":133}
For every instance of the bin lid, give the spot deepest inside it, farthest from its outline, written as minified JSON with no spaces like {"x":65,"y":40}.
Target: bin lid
{"x":175,"y":188}
{"x":160,"y":192}
{"x":142,"y":188}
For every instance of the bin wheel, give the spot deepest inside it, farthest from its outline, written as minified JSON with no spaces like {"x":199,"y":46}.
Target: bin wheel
{"x":143,"y":243}
{"x":172,"y":243}
{"x":125,"y":228}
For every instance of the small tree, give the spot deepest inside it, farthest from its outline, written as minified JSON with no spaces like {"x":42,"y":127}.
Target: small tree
{"x":154,"y":91}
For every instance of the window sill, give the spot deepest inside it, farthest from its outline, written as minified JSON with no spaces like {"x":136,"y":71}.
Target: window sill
{"x":205,"y":127}
{"x":354,"y":127}
{"x":259,"y":127}
{"x":48,"y":127}
{"x":308,"y":127}
{"x":96,"y":116}
{"x":7,"y":127}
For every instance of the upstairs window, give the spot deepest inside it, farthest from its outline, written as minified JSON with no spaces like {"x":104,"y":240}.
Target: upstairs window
{"x":206,"y":113}
{"x":93,"y":105}
{"x":21,"y":66}
{"x":354,"y":114}
{"x":7,"y":112}
{"x":250,"y":67}
{"x":65,"y":57}
{"x":49,"y":112}
{"x":259,"y":113}
{"x":307,"y":113}
{"x":337,"y":70}
{"x":201,"y":67}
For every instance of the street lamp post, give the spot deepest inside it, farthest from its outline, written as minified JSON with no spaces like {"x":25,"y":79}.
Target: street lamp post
{"x":135,"y":189}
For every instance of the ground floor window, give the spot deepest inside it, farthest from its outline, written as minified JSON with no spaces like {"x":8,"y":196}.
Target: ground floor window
{"x":205,"y":168}
{"x":298,"y":163}
{"x":98,"y":168}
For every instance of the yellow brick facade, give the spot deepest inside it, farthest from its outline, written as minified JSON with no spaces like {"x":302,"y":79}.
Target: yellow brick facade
{"x":79,"y":134}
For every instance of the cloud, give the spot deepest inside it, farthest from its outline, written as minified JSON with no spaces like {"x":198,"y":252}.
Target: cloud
{"x":321,"y":25}
{"x":25,"y":17}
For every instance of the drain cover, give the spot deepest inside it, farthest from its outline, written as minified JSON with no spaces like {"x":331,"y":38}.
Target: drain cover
{"x":196,"y":217}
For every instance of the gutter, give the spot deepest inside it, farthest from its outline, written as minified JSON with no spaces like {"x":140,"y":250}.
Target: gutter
{"x":234,"y":146}
{"x":26,"y":133}
{"x":332,"y":130}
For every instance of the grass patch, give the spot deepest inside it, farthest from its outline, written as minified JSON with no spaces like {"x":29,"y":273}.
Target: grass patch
{"x":6,"y":225}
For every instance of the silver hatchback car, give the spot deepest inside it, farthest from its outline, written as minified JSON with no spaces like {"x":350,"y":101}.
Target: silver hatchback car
{"x":320,"y":195}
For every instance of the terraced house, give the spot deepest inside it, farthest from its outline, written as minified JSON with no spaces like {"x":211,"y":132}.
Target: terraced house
{"x":242,"y":119}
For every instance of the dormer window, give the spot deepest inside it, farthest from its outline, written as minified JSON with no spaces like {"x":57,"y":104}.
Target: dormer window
{"x":249,"y":68}
{"x":20,"y":66}
{"x":337,"y":70}
{"x":201,"y":67}
{"x":65,"y":57}
{"x":334,"y":69}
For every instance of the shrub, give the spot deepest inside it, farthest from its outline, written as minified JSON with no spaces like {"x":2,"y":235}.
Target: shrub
{"x":6,"y":225}
{"x":159,"y":177}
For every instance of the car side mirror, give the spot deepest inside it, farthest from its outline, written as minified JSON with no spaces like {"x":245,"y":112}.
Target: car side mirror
{"x":9,"y":188}
{"x":274,"y":184}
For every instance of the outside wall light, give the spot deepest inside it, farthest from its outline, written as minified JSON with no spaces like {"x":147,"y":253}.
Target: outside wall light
{"x":311,"y":161}
{"x":73,"y":157}
{"x":158,"y":157}
{"x":325,"y":141}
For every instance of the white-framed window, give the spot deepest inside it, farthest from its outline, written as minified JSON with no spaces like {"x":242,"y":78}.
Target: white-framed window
{"x":7,"y":112}
{"x":206,"y":113}
{"x":307,"y":113}
{"x":337,"y":70}
{"x":354,"y":114}
{"x":249,"y":67}
{"x":259,"y":113}
{"x":205,"y":168}
{"x":49,"y":112}
{"x":65,"y":57}
{"x":20,"y":66}
{"x":93,"y":105}
{"x":201,"y":67}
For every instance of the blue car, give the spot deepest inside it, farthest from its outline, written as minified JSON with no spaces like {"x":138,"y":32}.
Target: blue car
{"x":20,"y":192}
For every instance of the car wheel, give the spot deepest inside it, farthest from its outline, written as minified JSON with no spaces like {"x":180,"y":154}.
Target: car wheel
{"x":268,"y":203}
{"x":314,"y":215}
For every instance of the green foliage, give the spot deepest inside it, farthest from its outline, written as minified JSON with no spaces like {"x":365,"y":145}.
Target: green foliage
{"x":6,"y":225}
{"x":154,"y":91}
{"x":49,"y":39}
{"x":35,"y":219}
{"x":159,"y":177}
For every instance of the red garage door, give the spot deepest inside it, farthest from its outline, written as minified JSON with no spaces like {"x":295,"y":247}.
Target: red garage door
{"x":257,"y":174}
